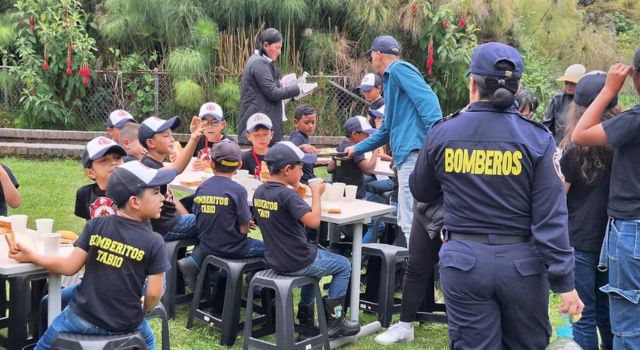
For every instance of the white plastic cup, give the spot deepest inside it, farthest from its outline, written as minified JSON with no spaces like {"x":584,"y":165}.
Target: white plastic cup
{"x":50,"y":243}
{"x":242,"y":174}
{"x":44,"y":225}
{"x":327,"y":192}
{"x":350,"y":192}
{"x":338,"y":188}
{"x":19,"y":223}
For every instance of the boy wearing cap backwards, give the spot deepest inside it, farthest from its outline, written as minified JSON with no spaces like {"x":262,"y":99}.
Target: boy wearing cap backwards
{"x":222,"y":214}
{"x":119,"y":252}
{"x":129,"y":141}
{"x":555,"y":116}
{"x":214,"y":123}
{"x":156,"y":135}
{"x":282,"y":216}
{"x":304,"y":123}
{"x":100,"y":158}
{"x":260,"y":133}
{"x":118,"y":119}
{"x":620,"y":248}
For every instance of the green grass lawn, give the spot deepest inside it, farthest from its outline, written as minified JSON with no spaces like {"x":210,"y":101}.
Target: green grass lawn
{"x":48,"y":191}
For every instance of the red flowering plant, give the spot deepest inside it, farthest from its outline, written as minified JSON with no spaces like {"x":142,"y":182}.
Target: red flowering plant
{"x":446,"y":44}
{"x":52,"y":47}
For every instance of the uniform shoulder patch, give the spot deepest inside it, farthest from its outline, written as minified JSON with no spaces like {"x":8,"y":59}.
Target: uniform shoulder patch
{"x":450,"y":116}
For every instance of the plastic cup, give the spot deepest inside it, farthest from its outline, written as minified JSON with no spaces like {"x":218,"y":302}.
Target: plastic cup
{"x":338,"y":188}
{"x":50,"y":243}
{"x":350,"y":192}
{"x":242,"y":173}
{"x":19,"y":223}
{"x":327,"y":192}
{"x":44,"y":225}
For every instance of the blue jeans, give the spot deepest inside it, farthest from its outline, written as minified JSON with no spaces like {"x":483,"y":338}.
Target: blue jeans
{"x":405,"y":198}
{"x":621,"y":255}
{"x":595,"y":315}
{"x":69,"y":322}
{"x":185,"y":228}
{"x":368,"y":236}
{"x":380,"y":186}
{"x":325,"y":264}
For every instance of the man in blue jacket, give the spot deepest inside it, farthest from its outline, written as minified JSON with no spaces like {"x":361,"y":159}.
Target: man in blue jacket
{"x":411,"y":108}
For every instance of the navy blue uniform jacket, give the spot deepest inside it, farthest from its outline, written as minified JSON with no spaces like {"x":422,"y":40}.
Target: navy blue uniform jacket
{"x":500,"y":174}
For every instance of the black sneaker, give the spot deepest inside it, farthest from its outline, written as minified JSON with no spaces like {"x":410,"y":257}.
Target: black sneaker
{"x":189,"y":272}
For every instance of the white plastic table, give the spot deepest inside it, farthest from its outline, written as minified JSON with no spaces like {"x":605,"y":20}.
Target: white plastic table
{"x":383,"y":167}
{"x":10,"y":267}
{"x":356,"y":212}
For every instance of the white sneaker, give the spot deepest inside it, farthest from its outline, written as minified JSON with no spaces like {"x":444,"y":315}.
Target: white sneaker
{"x":394,"y":334}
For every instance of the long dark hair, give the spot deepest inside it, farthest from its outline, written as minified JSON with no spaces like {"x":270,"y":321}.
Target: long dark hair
{"x":593,"y":162}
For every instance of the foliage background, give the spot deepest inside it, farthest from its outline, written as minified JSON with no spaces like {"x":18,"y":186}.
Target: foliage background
{"x":202,"y":45}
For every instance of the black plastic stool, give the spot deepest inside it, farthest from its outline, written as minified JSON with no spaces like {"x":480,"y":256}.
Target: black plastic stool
{"x":285,"y":327}
{"x":390,"y":223}
{"x":228,"y":323}
{"x":69,"y":341}
{"x":175,"y":293}
{"x":160,"y":312}
{"x":381,"y":301}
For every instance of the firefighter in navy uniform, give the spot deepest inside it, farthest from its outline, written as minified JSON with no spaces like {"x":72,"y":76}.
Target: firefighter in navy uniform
{"x":505,"y":216}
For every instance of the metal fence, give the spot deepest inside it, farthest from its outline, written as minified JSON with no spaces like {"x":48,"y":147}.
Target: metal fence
{"x":147,"y":93}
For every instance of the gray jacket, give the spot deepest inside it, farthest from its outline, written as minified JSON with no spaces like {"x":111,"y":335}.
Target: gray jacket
{"x":555,"y":119}
{"x":261,"y":92}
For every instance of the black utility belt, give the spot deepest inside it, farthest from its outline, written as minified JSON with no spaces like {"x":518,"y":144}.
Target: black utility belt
{"x":491,"y":239}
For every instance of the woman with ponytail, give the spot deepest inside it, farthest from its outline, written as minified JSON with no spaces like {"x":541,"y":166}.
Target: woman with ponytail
{"x":261,"y":91}
{"x":505,"y":214}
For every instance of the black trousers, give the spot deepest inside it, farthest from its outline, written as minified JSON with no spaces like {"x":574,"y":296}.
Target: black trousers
{"x":423,"y":256}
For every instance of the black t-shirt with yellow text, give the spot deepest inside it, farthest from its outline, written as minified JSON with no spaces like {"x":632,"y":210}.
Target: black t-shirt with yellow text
{"x":121,"y":254}
{"x":277,"y":210}
{"x":220,"y":205}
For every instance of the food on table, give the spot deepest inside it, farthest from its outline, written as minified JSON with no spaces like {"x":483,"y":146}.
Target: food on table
{"x":11,"y":242}
{"x":5,"y":224}
{"x":67,"y":235}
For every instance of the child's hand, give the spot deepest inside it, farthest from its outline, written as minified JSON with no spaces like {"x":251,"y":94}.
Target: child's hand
{"x":23,"y":255}
{"x":616,"y":76}
{"x":196,"y":126}
{"x":252,"y":225}
{"x":199,"y":164}
{"x":308,"y":149}
{"x":316,"y":185}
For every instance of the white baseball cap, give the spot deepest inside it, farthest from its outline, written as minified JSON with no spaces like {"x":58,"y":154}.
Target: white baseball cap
{"x":213,"y":110}
{"x":259,"y":119}
{"x":118,"y":118}
{"x":369,"y":81}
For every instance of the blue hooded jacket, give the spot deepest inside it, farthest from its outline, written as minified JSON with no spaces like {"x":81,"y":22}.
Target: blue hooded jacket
{"x":411,"y":108}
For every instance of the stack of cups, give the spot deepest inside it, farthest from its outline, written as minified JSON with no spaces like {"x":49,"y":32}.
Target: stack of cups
{"x":50,"y":240}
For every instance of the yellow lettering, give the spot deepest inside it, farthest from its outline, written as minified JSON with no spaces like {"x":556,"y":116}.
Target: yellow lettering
{"x":517,"y":164}
{"x":479,"y":163}
{"x":448,"y":160}
{"x":458,"y":159}
{"x":506,"y":163}
{"x":463,"y":161}
{"x":497,"y":162}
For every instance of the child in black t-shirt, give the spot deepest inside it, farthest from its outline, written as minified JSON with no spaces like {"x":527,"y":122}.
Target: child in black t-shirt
{"x":100,"y":158}
{"x":222,"y":214}
{"x":352,"y":171}
{"x":304,"y":122}
{"x":620,"y":246}
{"x":260,"y":133}
{"x":214,"y":123}
{"x":156,"y":135}
{"x":282,"y":215}
{"x":8,"y":190}
{"x":119,"y":252}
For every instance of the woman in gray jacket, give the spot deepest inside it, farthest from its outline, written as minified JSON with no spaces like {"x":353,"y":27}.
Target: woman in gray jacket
{"x":261,"y":90}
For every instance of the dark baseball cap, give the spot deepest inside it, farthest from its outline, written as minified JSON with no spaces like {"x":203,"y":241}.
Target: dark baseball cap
{"x":385,"y":44}
{"x":118,"y":118}
{"x":588,"y":88}
{"x":128,"y":178}
{"x":154,"y":125}
{"x":98,"y":148}
{"x":369,"y":81}
{"x":358,"y":124}
{"x":285,"y":153}
{"x":486,"y":56}
{"x":227,"y":153}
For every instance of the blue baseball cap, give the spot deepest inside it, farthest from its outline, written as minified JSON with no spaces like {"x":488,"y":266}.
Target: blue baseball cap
{"x":385,"y":44}
{"x":485,"y":57}
{"x":286,"y":153}
{"x":588,"y":88}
